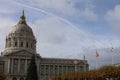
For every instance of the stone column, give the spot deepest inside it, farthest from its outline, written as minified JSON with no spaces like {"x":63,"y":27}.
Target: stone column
{"x":12,"y":42}
{"x":53,"y":69}
{"x":66,"y":69}
{"x":58,"y":69}
{"x":62,"y":68}
{"x":12,"y":65}
{"x":44,"y":70}
{"x":49,"y":70}
{"x":8,"y":66}
{"x":25,"y":66}
{"x":18,"y":66}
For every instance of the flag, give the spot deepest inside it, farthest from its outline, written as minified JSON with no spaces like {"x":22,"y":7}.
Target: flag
{"x":97,"y":54}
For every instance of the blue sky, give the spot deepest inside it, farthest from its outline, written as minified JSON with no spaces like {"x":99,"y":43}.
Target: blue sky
{"x":67,"y":28}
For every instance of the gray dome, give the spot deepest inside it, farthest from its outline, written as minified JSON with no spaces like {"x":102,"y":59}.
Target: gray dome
{"x":21,"y":28}
{"x":21,"y":37}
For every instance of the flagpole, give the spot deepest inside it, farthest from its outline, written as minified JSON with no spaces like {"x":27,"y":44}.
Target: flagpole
{"x":112,"y":58}
{"x":97,"y":55}
{"x":112,"y":52}
{"x":84,"y":66}
{"x":84,"y":59}
{"x":75,"y":67}
{"x":96,"y":62}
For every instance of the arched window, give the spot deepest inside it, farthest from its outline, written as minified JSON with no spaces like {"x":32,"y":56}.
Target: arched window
{"x":16,"y":44}
{"x":27,"y":44}
{"x":21,"y":44}
{"x":9,"y":44}
{"x":14,"y":78}
{"x":21,"y":78}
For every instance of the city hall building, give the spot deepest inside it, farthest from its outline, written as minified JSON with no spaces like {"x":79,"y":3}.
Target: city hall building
{"x":20,"y":45}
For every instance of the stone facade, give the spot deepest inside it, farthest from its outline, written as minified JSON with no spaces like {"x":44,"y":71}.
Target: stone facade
{"x":21,"y":45}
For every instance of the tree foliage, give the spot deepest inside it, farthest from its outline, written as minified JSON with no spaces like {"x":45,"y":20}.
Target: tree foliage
{"x":106,"y":72}
{"x":2,"y":75}
{"x":32,"y":70}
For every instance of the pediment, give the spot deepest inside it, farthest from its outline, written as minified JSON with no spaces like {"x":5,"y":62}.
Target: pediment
{"x":21,"y":53}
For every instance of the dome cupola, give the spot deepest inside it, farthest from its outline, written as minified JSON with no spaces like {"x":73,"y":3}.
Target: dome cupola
{"x":22,"y":27}
{"x":21,"y":37}
{"x":22,"y":18}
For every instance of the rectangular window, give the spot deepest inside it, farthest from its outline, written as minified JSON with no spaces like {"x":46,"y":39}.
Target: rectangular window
{"x":15,"y":44}
{"x":21,"y":44}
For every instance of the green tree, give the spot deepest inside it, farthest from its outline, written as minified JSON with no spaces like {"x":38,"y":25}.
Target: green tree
{"x":32,"y":70}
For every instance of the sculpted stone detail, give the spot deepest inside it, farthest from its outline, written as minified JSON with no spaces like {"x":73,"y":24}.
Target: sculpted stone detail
{"x":22,"y":53}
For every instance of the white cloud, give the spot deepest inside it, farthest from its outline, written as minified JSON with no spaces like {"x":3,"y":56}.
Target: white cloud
{"x":56,"y":37}
{"x":90,"y":15}
{"x":113,"y":18}
{"x":6,"y":22}
{"x":59,"y":39}
{"x":5,"y":25}
{"x":53,"y":35}
{"x":53,"y":30}
{"x":113,"y":15}
{"x":8,"y":7}
{"x":65,"y":7}
{"x":60,"y":6}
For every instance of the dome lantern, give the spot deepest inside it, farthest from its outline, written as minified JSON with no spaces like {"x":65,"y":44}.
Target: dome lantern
{"x":22,"y":18}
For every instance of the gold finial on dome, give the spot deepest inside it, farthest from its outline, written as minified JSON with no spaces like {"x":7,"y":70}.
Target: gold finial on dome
{"x":23,"y":13}
{"x":22,"y":18}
